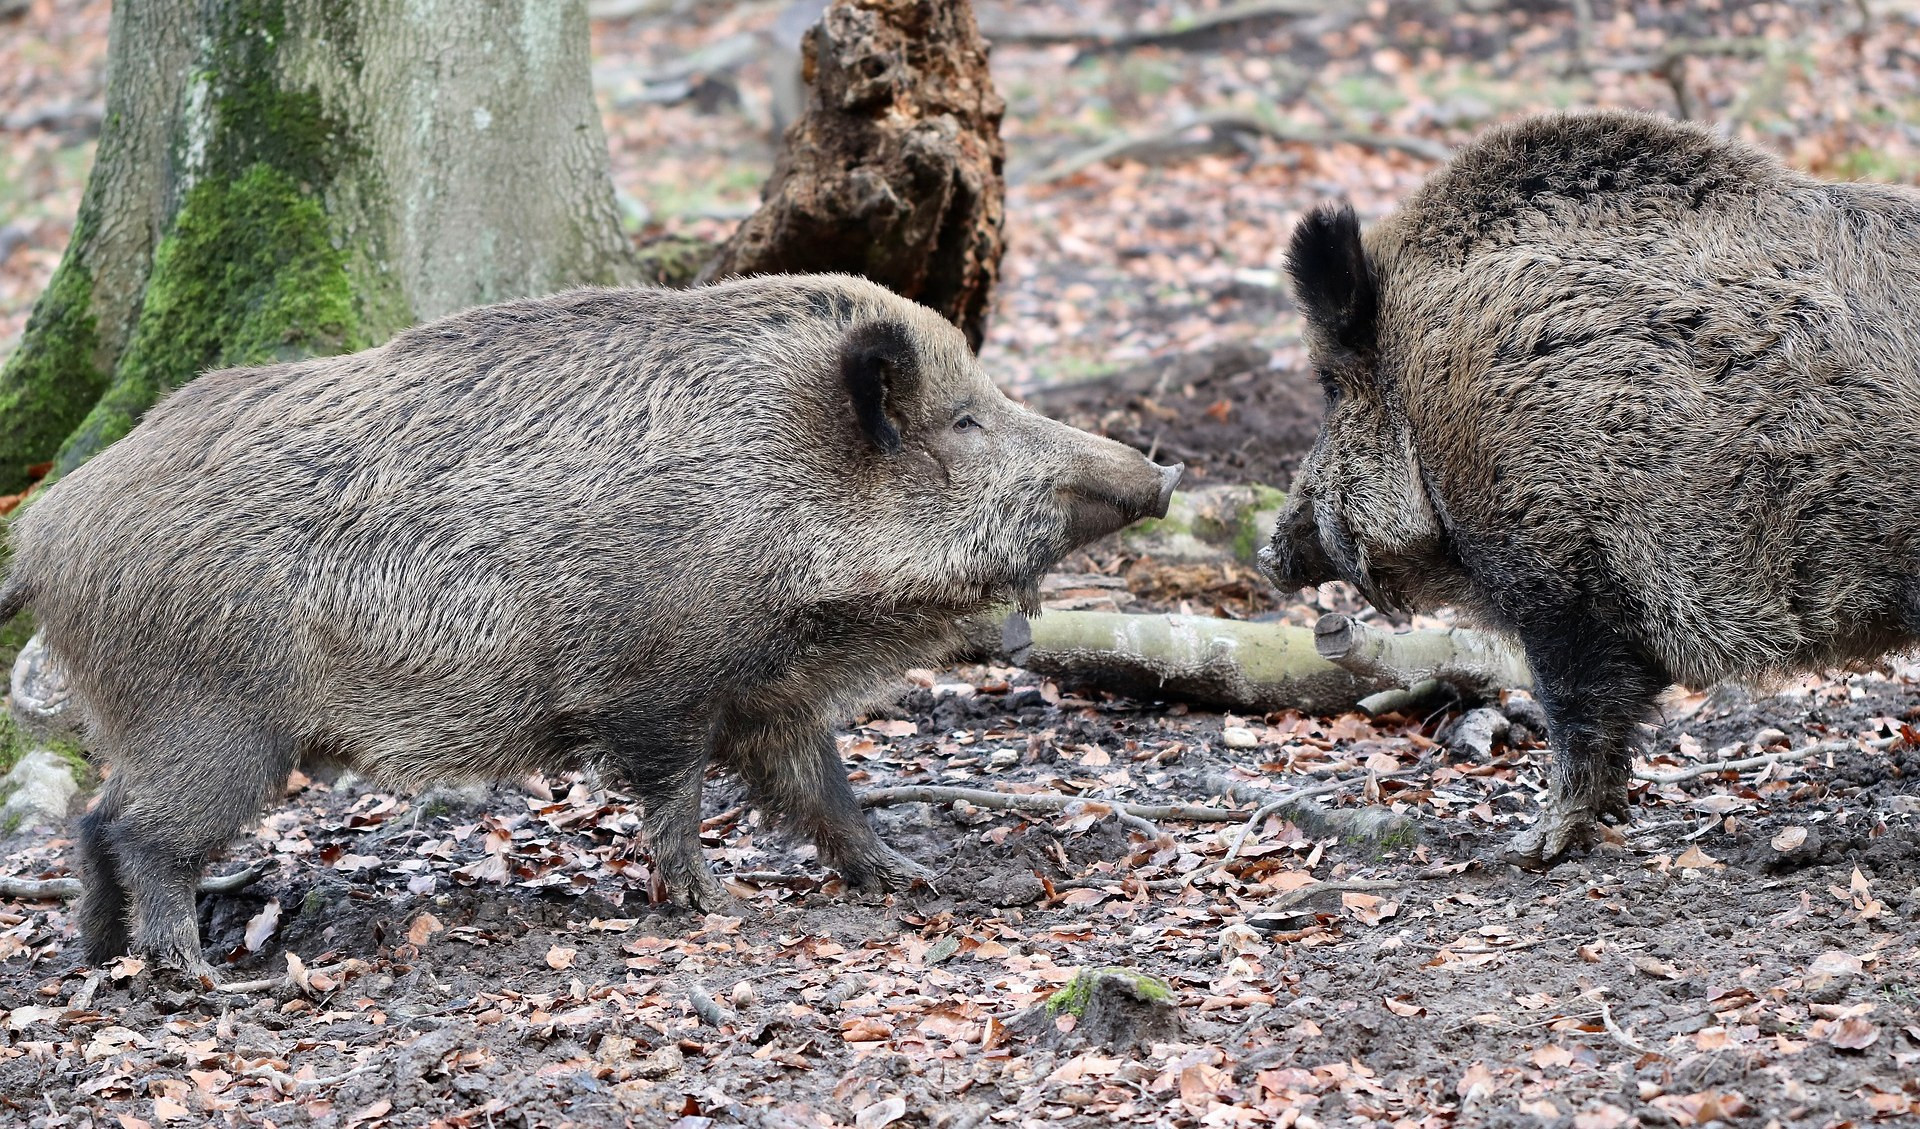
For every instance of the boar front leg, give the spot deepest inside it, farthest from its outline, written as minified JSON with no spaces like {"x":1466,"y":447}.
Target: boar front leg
{"x":1596,"y":687}
{"x":795,"y":774}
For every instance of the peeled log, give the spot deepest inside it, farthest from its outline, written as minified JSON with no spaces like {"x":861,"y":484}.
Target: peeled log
{"x":896,"y":169}
{"x":1255,"y":666}
{"x":1475,"y":663}
{"x":1209,"y":523}
{"x":1219,"y":662}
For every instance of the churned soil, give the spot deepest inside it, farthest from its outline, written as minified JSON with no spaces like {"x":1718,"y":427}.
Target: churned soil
{"x":1748,"y":951}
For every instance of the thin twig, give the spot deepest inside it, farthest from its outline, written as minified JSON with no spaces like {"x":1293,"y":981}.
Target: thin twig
{"x":1275,"y":807}
{"x":1118,"y":38}
{"x":45,"y":889}
{"x":1619,"y":1036}
{"x":1038,"y":801}
{"x":704,"y":1006}
{"x":1222,"y":124}
{"x":1745,"y":763}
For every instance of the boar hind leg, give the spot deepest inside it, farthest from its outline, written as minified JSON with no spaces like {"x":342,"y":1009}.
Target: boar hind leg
{"x":102,"y":913}
{"x":796,"y":776}
{"x":186,"y":796}
{"x":1595,"y":687}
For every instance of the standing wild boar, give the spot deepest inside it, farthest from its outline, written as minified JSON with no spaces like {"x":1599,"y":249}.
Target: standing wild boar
{"x":641,"y":530}
{"x":1643,"y":397}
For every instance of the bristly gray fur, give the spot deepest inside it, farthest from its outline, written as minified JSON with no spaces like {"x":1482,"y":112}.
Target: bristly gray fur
{"x":636,"y":529}
{"x":1641,"y":395}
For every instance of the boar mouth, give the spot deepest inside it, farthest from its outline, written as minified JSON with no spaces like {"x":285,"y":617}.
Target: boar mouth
{"x":1092,"y":515}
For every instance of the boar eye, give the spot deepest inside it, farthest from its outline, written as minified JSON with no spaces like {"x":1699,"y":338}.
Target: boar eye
{"x":1328,"y":385}
{"x":965,"y":423}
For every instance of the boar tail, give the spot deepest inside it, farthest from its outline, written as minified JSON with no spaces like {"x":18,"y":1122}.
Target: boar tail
{"x":13,"y":597}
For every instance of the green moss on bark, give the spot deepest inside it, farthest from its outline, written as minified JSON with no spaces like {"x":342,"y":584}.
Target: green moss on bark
{"x":249,"y":275}
{"x":55,"y":376}
{"x":251,"y":271}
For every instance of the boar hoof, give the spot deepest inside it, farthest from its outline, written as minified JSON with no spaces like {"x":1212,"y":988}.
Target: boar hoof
{"x":1557,"y":833}
{"x":886,"y":869}
{"x":708,"y":897}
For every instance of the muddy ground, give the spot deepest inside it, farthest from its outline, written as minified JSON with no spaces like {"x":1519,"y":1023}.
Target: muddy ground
{"x":1748,"y":950}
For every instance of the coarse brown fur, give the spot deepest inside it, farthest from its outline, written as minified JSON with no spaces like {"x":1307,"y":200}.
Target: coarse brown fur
{"x":1643,"y":396}
{"x":640,"y":530}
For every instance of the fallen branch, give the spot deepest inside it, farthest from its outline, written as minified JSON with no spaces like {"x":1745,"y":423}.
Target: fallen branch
{"x":1744,"y":763}
{"x":705,"y":1006}
{"x":44,"y":889}
{"x":286,"y":979}
{"x":1197,"y":27}
{"x":1222,"y":127}
{"x":1037,"y":801}
{"x":1619,"y":1036}
{"x":1222,"y":662}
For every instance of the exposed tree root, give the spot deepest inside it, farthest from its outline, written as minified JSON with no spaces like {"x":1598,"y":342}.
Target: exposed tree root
{"x":1223,"y":127}
{"x":1038,"y":801}
{"x":41,"y":889}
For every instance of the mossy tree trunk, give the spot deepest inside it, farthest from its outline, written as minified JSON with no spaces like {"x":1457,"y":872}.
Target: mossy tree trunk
{"x":283,"y":178}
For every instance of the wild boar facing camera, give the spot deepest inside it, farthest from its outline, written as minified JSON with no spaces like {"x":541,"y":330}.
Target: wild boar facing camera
{"x":641,"y":530}
{"x":1641,"y":396}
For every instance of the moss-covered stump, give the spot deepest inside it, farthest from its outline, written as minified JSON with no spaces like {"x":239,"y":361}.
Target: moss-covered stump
{"x":1115,"y":1008}
{"x":1209,"y":523}
{"x":279,"y":179}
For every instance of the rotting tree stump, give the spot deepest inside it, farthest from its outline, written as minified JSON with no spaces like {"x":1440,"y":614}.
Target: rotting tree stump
{"x":896,"y":170}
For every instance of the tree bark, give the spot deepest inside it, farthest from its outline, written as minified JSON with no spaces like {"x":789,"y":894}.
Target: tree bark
{"x":284,"y":178}
{"x":896,"y":169}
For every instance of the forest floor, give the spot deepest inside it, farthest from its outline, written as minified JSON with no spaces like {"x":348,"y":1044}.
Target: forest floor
{"x":1745,"y":952}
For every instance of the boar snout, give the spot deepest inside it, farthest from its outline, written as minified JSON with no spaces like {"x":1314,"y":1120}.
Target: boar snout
{"x":1111,"y":494}
{"x":1169,"y":478}
{"x":1295,"y":558}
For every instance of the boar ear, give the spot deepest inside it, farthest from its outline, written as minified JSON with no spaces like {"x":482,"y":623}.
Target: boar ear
{"x":881,"y":369}
{"x":1331,"y":278}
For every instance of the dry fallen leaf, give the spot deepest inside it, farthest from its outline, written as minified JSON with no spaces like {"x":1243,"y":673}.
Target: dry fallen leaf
{"x":261,"y":926}
{"x":1836,"y":963}
{"x":423,"y":927}
{"x":1696,"y":859}
{"x":560,"y":958}
{"x":881,"y":1113}
{"x":1401,"y":1008}
{"x":1789,"y":839}
{"x":1654,"y":966}
{"x":1853,"y":1034}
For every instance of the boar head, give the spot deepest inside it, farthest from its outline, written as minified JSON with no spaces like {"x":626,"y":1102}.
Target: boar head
{"x":979,"y":496}
{"x":1359,"y":510}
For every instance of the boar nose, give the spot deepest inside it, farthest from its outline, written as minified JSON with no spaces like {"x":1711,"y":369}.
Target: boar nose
{"x":1295,"y":558}
{"x":1169,"y":478}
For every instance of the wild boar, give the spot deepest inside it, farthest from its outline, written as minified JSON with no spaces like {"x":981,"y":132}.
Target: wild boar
{"x":638,"y":530}
{"x":1643,"y":397}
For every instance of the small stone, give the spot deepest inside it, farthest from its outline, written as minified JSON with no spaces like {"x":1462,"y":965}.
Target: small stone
{"x":1003,"y":758}
{"x":38,"y":789}
{"x":1239,"y":737}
